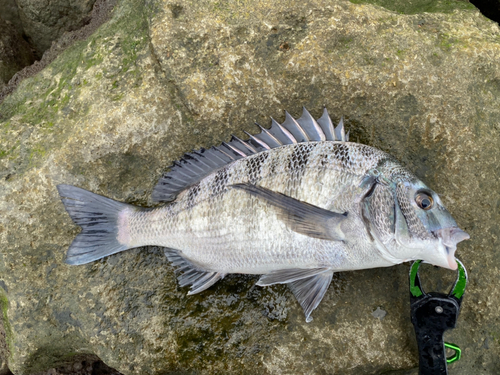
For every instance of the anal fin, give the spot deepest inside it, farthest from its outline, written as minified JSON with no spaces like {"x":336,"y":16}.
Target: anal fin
{"x":310,"y":291}
{"x":189,"y":274}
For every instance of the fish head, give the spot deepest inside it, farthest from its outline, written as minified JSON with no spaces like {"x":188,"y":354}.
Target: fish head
{"x":425,"y":224}
{"x":412,"y":222}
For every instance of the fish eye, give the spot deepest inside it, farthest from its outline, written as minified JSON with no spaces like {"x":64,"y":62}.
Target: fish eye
{"x":424,"y":201}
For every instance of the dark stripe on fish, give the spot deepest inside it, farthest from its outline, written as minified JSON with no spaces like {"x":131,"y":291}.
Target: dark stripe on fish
{"x":254,"y":165}
{"x":381,"y":162}
{"x":220,"y":181}
{"x":192,"y":194}
{"x":297,"y":163}
{"x":299,"y":157}
{"x":350,"y":156}
{"x":273,"y":162}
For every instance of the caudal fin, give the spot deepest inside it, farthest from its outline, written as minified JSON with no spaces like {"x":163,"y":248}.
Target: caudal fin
{"x":98,"y":217}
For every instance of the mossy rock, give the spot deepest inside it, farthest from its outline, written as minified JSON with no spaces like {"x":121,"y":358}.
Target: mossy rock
{"x":159,"y":79}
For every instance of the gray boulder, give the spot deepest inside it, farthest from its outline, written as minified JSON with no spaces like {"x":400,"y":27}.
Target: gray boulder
{"x":45,"y":21}
{"x":15,"y":52}
{"x":160,"y":79}
{"x":9,"y":12}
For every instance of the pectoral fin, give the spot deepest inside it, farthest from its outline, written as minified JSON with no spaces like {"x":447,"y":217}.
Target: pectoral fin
{"x":301,"y":217}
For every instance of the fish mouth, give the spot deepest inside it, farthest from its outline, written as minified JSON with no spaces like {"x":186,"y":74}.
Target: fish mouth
{"x":450,"y":237}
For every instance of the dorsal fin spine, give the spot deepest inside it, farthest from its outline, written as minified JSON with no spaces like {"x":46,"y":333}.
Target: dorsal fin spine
{"x":215,"y":153}
{"x":311,"y":126}
{"x":259,"y":141}
{"x":174,"y":182}
{"x":180,"y":179}
{"x":235,"y":149}
{"x":225,"y":154}
{"x":289,"y":138}
{"x":191,"y":165}
{"x":272,"y":137}
{"x":230,"y":150}
{"x":294,"y":127}
{"x":182,"y":170}
{"x":200,"y":158}
{"x":339,"y":130}
{"x":249,"y":147}
{"x":327,"y":125}
{"x":203,"y":159}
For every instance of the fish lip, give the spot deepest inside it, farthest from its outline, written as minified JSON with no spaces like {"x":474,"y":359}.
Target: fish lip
{"x":451,"y":236}
{"x":452,"y":263}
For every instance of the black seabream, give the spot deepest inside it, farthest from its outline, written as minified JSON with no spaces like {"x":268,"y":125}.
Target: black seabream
{"x":294,"y":203}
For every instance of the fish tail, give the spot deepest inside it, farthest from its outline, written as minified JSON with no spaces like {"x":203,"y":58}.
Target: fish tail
{"x":100,"y":219}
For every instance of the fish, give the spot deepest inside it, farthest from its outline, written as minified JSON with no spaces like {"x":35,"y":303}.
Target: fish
{"x":294,"y":203}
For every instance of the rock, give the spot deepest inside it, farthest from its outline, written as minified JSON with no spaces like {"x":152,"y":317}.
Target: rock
{"x":10,"y":13}
{"x":4,"y":329}
{"x":379,"y":313}
{"x":15,"y":52}
{"x":45,"y":21}
{"x":101,"y":13}
{"x":113,"y":111}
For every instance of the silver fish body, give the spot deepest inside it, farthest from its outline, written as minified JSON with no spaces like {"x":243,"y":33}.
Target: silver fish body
{"x":228,"y":230}
{"x":295,"y":204}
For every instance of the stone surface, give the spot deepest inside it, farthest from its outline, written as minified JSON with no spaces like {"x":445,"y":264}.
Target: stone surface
{"x":160,"y":79}
{"x":87,"y":366}
{"x":44,"y":21}
{"x":9,"y":12}
{"x":101,"y":13}
{"x":4,"y":329}
{"x":15,"y":52}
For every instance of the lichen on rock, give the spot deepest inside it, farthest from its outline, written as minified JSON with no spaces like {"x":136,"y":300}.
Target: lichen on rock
{"x":162,"y":78}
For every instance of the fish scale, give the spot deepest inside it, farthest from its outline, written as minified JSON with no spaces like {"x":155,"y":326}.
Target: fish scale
{"x":294,"y":203}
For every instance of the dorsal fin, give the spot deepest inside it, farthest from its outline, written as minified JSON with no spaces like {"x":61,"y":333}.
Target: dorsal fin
{"x":196,"y":165}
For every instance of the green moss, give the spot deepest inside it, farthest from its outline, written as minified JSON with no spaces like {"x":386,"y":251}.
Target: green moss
{"x":4,"y":305}
{"x":118,"y":97}
{"x":95,"y":59}
{"x":36,"y":153}
{"x":445,"y":42}
{"x":9,"y":152}
{"x":221,"y":6}
{"x":419,"y":6}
